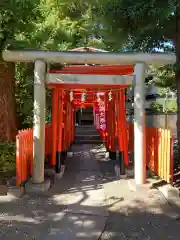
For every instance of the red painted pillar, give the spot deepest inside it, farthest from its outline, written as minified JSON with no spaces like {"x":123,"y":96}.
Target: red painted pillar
{"x":54,"y":125}
{"x":68,"y":124}
{"x":119,"y":132}
{"x":64,"y":129}
{"x":112,"y":129}
{"x":107,"y":123}
{"x":73,"y":122}
{"x":109,"y":126}
{"x":59,"y":131}
{"x":122,"y":130}
{"x":106,"y":117}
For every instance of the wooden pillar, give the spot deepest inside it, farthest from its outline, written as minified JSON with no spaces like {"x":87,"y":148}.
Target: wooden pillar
{"x":122,"y":130}
{"x":107,"y":123}
{"x":54,"y":124}
{"x":73,"y":122}
{"x":112,"y":119}
{"x":64,"y":152}
{"x":125,"y":137}
{"x":60,"y":129}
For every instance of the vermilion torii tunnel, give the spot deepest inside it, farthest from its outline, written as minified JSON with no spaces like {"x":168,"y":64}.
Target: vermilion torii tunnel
{"x":107,"y":101}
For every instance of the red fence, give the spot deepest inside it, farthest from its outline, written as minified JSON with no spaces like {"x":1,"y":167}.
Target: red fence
{"x":159,"y":157}
{"x":158,"y":151}
{"x":24,"y":152}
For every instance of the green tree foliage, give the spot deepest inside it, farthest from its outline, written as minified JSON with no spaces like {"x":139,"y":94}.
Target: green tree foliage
{"x":156,"y":107}
{"x":145,"y":25}
{"x":163,"y":76}
{"x":172,"y":106}
{"x":7,"y":156}
{"x":17,"y":21}
{"x":52,"y":25}
{"x":66,"y":24}
{"x":36,"y":24}
{"x":60,"y":25}
{"x":169,"y":106}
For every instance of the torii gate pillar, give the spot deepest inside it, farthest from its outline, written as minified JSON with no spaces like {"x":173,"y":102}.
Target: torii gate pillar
{"x":39,"y":121}
{"x":139,"y":125}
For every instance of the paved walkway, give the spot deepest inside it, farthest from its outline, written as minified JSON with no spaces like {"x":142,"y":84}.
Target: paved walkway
{"x":89,"y":203}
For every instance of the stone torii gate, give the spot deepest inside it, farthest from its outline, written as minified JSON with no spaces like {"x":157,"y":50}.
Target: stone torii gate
{"x":43,"y":58}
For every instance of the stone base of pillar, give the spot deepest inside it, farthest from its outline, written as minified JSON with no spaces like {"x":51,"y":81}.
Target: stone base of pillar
{"x":58,"y":162}
{"x":63,"y":157}
{"x":50,"y":173}
{"x":37,"y":188}
{"x":61,"y":174}
{"x":112,"y":155}
{"x":15,"y":192}
{"x":121,"y":163}
{"x":125,"y":176}
{"x":65,"y":153}
{"x":118,"y":172}
{"x":138,"y":187}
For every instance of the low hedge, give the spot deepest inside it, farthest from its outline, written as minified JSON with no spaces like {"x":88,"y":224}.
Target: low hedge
{"x":7,"y":159}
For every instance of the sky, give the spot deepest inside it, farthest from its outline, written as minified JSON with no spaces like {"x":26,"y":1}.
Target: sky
{"x":166,"y":44}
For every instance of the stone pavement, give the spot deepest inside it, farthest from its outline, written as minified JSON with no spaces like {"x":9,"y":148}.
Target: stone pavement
{"x":90,"y":203}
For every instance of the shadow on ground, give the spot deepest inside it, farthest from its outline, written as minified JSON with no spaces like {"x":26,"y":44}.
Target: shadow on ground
{"x":89,"y":203}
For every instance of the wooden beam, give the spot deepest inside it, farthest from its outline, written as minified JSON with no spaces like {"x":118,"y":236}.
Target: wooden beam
{"x":95,"y":70}
{"x":88,"y":79}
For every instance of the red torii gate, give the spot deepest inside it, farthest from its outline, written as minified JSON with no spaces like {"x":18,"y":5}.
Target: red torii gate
{"x":69,"y":96}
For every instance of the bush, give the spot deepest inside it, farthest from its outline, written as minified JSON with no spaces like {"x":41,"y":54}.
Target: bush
{"x":7,"y":156}
{"x":172,"y":106}
{"x":176,"y":155}
{"x":156,"y":107}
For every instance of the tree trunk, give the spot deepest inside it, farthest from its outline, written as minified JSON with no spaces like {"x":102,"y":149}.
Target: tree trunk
{"x":8,"y":128}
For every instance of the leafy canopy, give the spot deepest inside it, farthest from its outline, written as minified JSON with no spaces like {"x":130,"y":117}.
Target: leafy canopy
{"x":144,"y":24}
